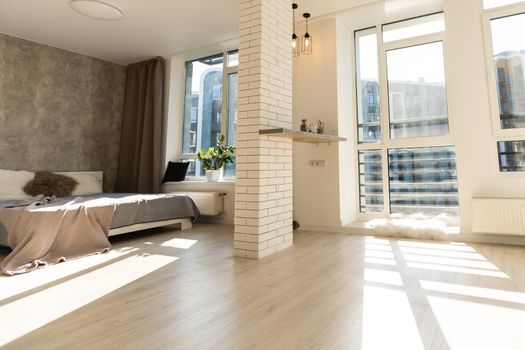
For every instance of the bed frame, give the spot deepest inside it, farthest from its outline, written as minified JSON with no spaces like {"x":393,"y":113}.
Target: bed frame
{"x":183,"y":224}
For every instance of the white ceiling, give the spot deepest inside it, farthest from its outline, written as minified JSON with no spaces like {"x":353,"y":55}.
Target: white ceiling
{"x":149,"y":27}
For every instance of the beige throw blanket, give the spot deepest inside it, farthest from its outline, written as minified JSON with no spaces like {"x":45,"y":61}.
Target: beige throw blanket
{"x":48,"y":235}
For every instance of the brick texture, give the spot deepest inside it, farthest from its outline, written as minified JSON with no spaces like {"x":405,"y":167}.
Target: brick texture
{"x":263,"y":189}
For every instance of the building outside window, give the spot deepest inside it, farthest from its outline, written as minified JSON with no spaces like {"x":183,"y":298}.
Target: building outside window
{"x":210,"y":107}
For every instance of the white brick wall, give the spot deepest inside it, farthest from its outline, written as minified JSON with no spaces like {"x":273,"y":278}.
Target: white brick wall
{"x":263,"y":190}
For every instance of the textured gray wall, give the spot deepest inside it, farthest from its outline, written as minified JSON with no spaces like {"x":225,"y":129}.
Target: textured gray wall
{"x":59,"y":111}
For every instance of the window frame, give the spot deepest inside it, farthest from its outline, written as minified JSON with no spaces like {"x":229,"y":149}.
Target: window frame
{"x":386,"y":143}
{"x":226,"y":71}
{"x":498,"y":133}
{"x":491,"y":71}
{"x":518,"y":2}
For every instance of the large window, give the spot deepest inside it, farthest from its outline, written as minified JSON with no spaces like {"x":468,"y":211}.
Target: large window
{"x":210,"y":107}
{"x":407,"y":163}
{"x":506,"y":62}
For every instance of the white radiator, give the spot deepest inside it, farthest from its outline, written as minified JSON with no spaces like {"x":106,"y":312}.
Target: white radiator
{"x":498,"y":216}
{"x":209,"y":203}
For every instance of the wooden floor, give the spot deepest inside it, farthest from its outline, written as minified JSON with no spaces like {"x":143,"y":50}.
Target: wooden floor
{"x":173,"y":290}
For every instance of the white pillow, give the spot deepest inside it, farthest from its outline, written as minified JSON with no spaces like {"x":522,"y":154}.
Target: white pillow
{"x":12,"y":184}
{"x":87,"y":184}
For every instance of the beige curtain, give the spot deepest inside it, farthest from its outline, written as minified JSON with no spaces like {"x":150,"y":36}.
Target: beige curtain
{"x":141,"y":158}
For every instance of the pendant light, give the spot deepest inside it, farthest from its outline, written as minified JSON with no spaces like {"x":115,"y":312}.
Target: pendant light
{"x":307,"y":38}
{"x":296,"y":47}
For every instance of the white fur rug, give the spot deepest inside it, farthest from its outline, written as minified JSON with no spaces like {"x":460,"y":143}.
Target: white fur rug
{"x":412,"y":226}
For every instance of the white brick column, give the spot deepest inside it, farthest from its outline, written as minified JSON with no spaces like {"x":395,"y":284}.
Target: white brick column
{"x":263,"y":189}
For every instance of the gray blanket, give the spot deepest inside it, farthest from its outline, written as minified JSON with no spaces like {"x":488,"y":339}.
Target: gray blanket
{"x":132,"y":208}
{"x":71,"y":227}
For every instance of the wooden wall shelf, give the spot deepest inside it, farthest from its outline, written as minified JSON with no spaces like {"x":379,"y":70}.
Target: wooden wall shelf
{"x":301,"y":136}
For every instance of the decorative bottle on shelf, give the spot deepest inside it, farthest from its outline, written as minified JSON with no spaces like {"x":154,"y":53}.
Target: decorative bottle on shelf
{"x":320,"y":127}
{"x":304,"y":126}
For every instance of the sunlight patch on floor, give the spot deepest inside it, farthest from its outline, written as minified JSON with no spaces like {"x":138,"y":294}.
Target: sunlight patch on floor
{"x":443,"y":253}
{"x":14,"y":285}
{"x":460,"y":247}
{"x":383,"y":276}
{"x":471,"y":325}
{"x":181,"y":243}
{"x":379,"y":254}
{"x":472,"y":291}
{"x":388,"y":320}
{"x":451,"y":261}
{"x":380,"y":261}
{"x":456,"y":269}
{"x":36,"y":310}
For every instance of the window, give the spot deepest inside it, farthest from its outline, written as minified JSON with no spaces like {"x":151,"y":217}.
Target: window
{"x":423,"y":180}
{"x":506,"y":60}
{"x":370,"y":181}
{"x":210,"y":109}
{"x":414,"y":27}
{"x":511,"y":156}
{"x":232,"y":118}
{"x":508,"y":52}
{"x":416,"y":89}
{"x":367,"y":76}
{"x":413,"y":147}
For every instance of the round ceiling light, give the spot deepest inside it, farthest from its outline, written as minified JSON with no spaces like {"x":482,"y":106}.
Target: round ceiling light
{"x":97,"y":9}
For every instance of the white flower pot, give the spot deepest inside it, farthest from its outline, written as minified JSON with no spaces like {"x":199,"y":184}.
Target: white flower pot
{"x":214,"y":175}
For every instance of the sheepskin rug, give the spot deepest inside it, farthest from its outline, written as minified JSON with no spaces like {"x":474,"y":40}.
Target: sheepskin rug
{"x":412,"y":226}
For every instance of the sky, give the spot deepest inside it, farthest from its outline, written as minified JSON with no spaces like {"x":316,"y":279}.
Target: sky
{"x":407,"y":64}
{"x":508,"y":33}
{"x":496,"y":3}
{"x":198,"y":69}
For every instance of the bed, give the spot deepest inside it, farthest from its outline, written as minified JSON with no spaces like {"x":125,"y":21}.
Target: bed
{"x":80,"y":224}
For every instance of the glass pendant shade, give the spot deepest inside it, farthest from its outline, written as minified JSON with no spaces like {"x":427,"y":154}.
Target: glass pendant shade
{"x":296,"y":45}
{"x":306,"y":47}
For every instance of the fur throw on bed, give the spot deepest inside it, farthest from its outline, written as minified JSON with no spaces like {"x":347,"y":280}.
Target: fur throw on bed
{"x":50,"y":184}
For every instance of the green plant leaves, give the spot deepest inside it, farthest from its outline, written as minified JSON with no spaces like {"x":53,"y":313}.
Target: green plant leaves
{"x":216,"y":157}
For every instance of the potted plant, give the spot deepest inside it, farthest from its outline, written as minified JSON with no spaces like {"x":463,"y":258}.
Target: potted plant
{"x":215,"y":158}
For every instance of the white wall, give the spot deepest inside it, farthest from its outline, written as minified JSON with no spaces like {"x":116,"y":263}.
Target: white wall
{"x":316,"y":189}
{"x":324,"y":88}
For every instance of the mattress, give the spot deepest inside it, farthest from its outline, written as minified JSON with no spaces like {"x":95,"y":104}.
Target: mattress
{"x":131,"y":208}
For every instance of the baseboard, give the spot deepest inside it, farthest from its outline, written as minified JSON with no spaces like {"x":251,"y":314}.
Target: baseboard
{"x":359,"y":230}
{"x":491,"y":239}
{"x":218,"y":220}
{"x":329,"y":229}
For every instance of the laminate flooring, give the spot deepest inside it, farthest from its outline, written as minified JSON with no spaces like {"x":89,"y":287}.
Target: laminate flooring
{"x":166,"y":289}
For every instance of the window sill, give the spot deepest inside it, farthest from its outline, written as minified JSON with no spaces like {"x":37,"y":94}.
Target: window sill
{"x":200,"y":182}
